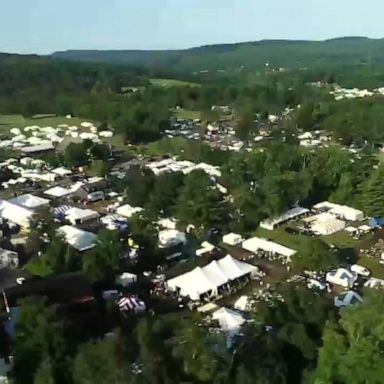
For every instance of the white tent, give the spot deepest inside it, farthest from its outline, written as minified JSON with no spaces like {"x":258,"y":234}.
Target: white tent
{"x":15,"y":213}
{"x":342,"y":277}
{"x":171,"y":237}
{"x":58,"y":192}
{"x":232,"y":239}
{"x":293,"y":213}
{"x":343,"y":211}
{"x":256,"y":244}
{"x":30,"y":201}
{"x":74,"y":215}
{"x":128,"y":211}
{"x":61,"y":171}
{"x":229,"y":320}
{"x":326,"y":224}
{"x":209,"y":278}
{"x":77,"y":238}
{"x":347,"y":298}
{"x":242,"y":303}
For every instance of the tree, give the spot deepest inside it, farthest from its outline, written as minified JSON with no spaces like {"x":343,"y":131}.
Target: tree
{"x":100,"y":362}
{"x":244,"y":126}
{"x":75,"y":155}
{"x":100,"y":168}
{"x":372,"y":198}
{"x":200,"y":203}
{"x":103,"y":261}
{"x":44,"y":374}
{"x":58,"y":257}
{"x":165,"y":192}
{"x":315,"y":256}
{"x":39,"y":336}
{"x":352,"y":350}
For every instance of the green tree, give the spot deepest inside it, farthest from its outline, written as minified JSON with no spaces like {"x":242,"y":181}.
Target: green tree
{"x":39,"y":336}
{"x":200,"y":203}
{"x":75,"y":155}
{"x":44,"y":374}
{"x":372,"y":198}
{"x":352,"y":350}
{"x":315,"y":255}
{"x":101,"y":362}
{"x":102,"y":262}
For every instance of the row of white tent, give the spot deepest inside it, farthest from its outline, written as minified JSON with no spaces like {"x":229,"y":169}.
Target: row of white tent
{"x":208,"y":279}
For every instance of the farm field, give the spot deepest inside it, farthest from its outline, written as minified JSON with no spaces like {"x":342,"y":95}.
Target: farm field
{"x":168,"y":83}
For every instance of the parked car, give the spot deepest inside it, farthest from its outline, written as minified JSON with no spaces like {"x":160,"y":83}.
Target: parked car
{"x":360,"y":270}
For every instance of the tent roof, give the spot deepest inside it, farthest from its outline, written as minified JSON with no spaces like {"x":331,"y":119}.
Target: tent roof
{"x":255,"y":244}
{"x":15,"y":213}
{"x":210,"y":277}
{"x":29,"y":201}
{"x":77,"y":238}
{"x":57,"y":191}
{"x":228,"y":319}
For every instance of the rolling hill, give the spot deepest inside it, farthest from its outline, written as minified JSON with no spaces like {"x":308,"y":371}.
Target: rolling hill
{"x":278,"y":53}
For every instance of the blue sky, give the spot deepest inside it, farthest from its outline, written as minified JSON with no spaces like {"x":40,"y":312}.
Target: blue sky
{"x":44,"y":26}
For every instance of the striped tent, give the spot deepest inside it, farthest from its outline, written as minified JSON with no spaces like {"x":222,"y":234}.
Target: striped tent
{"x":61,"y":211}
{"x":131,"y":304}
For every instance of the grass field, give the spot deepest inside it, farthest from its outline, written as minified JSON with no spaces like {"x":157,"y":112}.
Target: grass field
{"x":187,"y":114}
{"x":168,"y":83}
{"x":340,"y":239}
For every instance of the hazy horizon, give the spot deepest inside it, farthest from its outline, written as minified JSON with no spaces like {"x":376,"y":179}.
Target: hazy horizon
{"x":43,"y":27}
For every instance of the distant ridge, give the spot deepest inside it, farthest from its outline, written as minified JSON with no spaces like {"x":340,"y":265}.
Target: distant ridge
{"x":277,"y":53}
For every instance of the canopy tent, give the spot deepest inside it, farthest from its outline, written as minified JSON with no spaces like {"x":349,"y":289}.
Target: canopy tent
{"x":58,"y":192}
{"x":74,"y":215}
{"x":77,"y":238}
{"x":128,"y":211}
{"x":326,"y":224}
{"x":229,"y":320}
{"x":256,"y":244}
{"x":209,"y":278}
{"x":343,"y":211}
{"x":29,"y":201}
{"x":15,"y":213}
{"x":171,"y":237}
{"x":293,"y":213}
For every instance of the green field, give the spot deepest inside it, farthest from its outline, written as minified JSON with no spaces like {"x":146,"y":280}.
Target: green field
{"x":168,"y":83}
{"x":187,"y":114}
{"x":339,"y":239}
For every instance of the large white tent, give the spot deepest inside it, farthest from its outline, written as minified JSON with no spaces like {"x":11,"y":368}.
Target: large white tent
{"x":325,"y":224}
{"x":15,"y":213}
{"x":343,"y":211}
{"x":228,"y":319}
{"x":128,"y":211}
{"x":30,"y":201}
{"x":77,"y":238}
{"x":74,"y":215}
{"x":293,"y":213}
{"x":208,"y":279}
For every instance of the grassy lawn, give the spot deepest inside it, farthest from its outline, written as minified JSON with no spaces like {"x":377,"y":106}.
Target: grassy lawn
{"x":373,"y":265}
{"x":340,"y":239}
{"x":187,"y":114}
{"x":167,"y":83}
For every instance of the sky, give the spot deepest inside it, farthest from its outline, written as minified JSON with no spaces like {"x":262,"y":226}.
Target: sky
{"x":45,"y":26}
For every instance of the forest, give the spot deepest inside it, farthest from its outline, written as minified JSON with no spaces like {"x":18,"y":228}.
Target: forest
{"x":297,"y":337}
